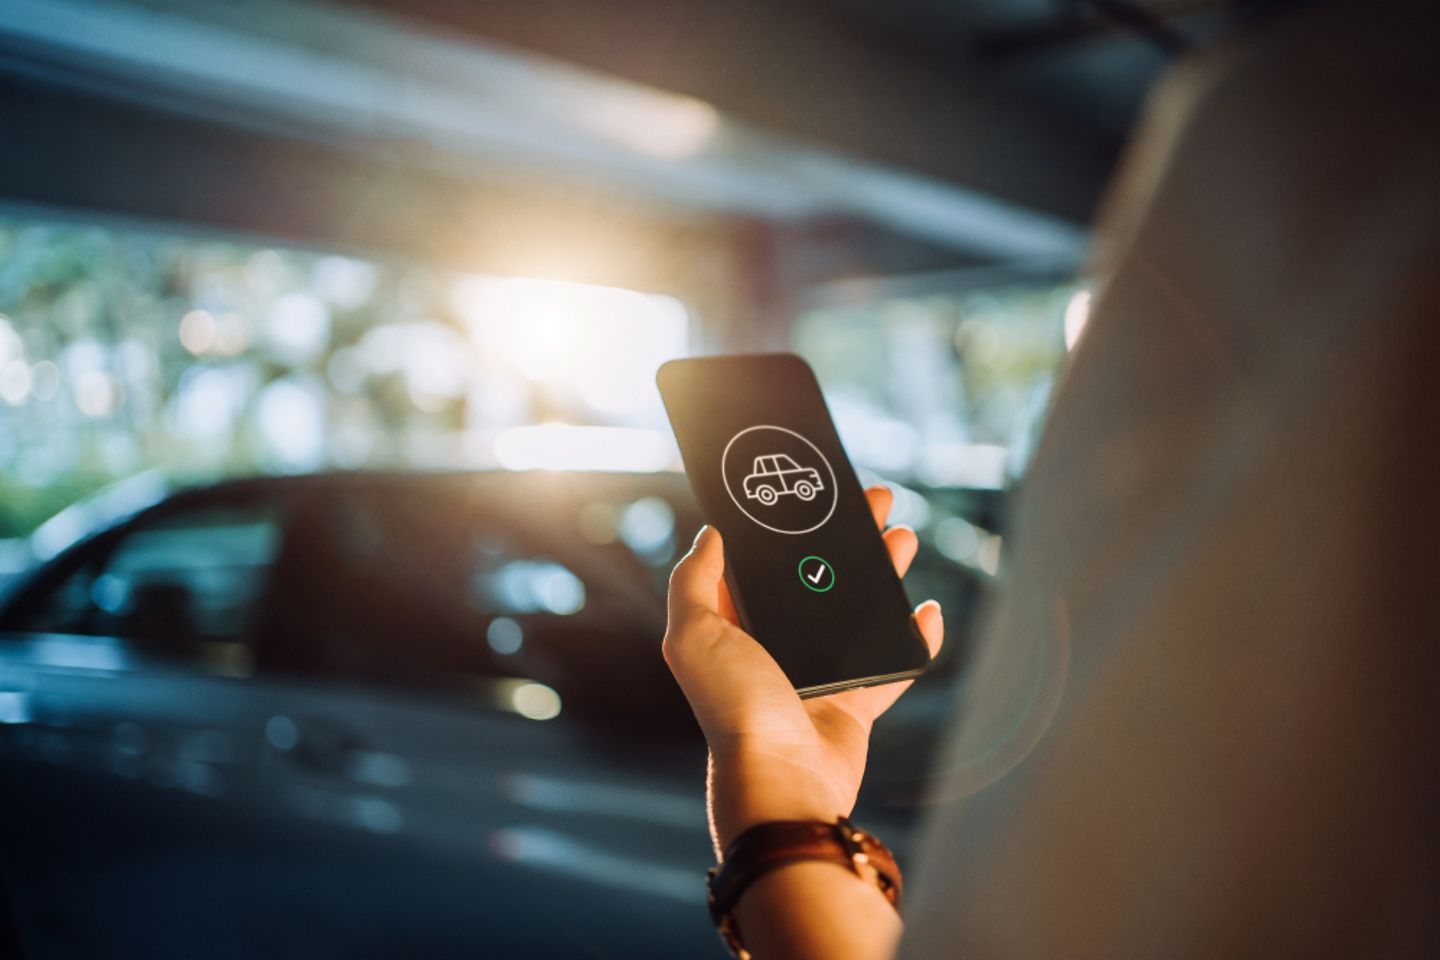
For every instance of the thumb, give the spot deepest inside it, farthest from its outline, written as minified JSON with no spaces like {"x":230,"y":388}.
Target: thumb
{"x":696,"y":582}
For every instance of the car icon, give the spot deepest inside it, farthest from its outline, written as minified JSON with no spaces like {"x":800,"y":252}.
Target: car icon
{"x":776,"y":475}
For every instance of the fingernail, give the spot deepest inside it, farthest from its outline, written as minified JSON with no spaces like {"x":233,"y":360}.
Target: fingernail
{"x":705,"y":528}
{"x":931,"y":603}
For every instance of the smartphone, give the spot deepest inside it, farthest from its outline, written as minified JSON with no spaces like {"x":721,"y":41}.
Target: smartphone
{"x":804,"y":561}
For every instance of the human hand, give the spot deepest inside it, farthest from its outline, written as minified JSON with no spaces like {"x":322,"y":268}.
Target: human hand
{"x":773,"y":756}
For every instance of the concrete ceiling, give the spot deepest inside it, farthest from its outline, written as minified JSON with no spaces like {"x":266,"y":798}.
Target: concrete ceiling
{"x":986,"y":128}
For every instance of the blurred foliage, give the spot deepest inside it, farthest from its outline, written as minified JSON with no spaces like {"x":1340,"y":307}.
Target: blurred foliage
{"x":100,"y":376}
{"x":129,"y":349}
{"x":941,"y":387}
{"x":23,"y":507}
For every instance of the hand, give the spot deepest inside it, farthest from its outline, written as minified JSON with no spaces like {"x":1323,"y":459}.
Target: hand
{"x":773,"y":756}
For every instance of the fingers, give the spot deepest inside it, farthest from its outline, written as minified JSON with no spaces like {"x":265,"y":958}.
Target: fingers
{"x":931,"y":622}
{"x":900,"y":541}
{"x":696,"y":582}
{"x":868,"y":703}
{"x":880,"y":500}
{"x":902,"y":544}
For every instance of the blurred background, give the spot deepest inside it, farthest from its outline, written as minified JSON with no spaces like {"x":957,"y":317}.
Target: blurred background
{"x":336,"y":498}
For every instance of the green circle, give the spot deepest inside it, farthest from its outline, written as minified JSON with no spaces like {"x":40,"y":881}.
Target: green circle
{"x":800,"y":569}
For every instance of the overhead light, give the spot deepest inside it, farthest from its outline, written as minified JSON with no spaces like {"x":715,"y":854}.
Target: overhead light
{"x":659,"y":125}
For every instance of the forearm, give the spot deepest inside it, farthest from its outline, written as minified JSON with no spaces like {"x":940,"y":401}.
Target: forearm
{"x":817,"y":910}
{"x":807,"y":909}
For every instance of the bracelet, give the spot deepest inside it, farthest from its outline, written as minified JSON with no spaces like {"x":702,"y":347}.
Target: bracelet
{"x":767,"y":846}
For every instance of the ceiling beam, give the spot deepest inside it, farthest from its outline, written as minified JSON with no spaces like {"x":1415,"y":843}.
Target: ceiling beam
{"x":802,"y":68}
{"x":382,"y":83}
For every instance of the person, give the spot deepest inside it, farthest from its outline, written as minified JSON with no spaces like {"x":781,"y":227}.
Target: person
{"x":1202,"y":719}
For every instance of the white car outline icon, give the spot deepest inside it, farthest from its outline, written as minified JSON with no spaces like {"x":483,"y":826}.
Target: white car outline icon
{"x":774,"y":475}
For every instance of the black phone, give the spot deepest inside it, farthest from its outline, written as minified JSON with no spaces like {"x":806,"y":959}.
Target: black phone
{"x":804,"y":561}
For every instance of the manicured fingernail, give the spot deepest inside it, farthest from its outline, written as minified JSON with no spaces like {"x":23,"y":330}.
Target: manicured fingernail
{"x":931,"y":603}
{"x":704,"y":529}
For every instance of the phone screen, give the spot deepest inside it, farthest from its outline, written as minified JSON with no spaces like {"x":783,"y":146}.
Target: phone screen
{"x":805,"y":563}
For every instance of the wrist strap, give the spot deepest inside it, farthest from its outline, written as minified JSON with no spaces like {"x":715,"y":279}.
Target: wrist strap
{"x":768,"y":846}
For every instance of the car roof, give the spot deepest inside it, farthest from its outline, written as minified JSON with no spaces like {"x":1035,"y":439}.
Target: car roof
{"x":533,"y":482}
{"x":526,"y":500}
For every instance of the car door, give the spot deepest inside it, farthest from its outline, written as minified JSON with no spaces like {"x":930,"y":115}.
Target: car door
{"x":306,"y":807}
{"x":123,"y":664}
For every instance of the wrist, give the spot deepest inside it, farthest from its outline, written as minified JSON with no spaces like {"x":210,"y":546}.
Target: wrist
{"x":744,"y":792}
{"x":778,"y":861}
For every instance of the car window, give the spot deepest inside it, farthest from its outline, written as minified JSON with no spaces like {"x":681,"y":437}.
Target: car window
{"x":783,"y":462}
{"x":185,"y":586}
{"x":415,"y":585}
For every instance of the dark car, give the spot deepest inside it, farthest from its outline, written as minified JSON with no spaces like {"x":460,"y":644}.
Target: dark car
{"x":371,"y":715}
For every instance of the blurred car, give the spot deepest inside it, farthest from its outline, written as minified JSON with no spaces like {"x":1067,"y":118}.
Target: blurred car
{"x":110,"y":504}
{"x":374,"y":715}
